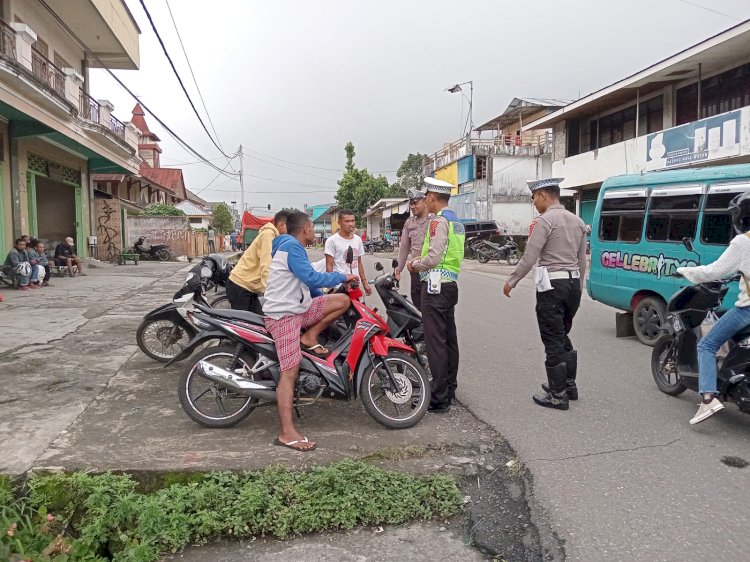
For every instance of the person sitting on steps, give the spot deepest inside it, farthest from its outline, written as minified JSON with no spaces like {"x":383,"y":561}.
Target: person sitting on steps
{"x":65,"y":255}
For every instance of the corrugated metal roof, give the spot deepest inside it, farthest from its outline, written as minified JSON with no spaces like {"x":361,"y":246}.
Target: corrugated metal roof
{"x":192,"y":210}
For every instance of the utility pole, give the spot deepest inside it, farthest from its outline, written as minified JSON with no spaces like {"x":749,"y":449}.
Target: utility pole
{"x":242,"y":183}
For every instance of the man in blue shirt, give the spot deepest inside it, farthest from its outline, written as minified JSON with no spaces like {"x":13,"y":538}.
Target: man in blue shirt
{"x":293,"y":302}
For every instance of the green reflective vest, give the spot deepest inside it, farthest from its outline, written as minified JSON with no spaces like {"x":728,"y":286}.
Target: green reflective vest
{"x":450,"y":265}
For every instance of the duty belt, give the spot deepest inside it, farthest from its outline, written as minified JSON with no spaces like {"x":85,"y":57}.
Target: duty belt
{"x":444,"y":273}
{"x":565,"y":274}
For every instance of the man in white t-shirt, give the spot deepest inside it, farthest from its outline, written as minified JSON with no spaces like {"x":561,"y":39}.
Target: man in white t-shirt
{"x":338,"y":245}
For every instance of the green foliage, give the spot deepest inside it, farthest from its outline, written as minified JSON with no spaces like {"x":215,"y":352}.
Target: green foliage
{"x":162,"y":210}
{"x":358,"y":188}
{"x":291,"y":209}
{"x":222,"y":219}
{"x":409,"y":175}
{"x":101,"y":516}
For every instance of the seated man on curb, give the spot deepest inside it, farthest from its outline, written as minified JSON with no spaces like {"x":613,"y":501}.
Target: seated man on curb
{"x":18,"y":256}
{"x":293,"y":302}
{"x":65,"y":254}
{"x":39,"y":258}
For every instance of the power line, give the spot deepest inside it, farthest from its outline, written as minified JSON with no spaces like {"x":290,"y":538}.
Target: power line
{"x":190,"y":66}
{"x":287,"y":168}
{"x":735,"y":18}
{"x":314,"y":167}
{"x":179,"y":79}
{"x":275,"y":192}
{"x":120,"y":82}
{"x":213,"y":180}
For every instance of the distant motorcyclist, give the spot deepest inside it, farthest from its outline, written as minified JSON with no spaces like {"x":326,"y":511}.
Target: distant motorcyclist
{"x":736,"y":258}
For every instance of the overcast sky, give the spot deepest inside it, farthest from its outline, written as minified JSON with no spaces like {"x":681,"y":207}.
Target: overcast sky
{"x":296,"y":80}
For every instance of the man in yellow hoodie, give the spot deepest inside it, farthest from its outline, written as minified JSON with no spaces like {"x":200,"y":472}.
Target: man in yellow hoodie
{"x":249,"y":278}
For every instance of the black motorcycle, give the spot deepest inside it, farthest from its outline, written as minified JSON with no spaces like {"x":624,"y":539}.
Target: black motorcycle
{"x":484,"y":250}
{"x":154,"y":252}
{"x":372,"y":246}
{"x":166,"y":330}
{"x":674,"y":360}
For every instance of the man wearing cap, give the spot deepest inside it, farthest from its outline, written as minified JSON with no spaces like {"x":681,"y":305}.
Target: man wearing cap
{"x":557,"y":240}
{"x":412,"y":241}
{"x":438,"y":268}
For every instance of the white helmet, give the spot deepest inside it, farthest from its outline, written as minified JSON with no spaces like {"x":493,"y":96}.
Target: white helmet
{"x":24,"y":269}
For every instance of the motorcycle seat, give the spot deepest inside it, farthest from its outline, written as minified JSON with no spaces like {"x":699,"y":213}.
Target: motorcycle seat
{"x":742,"y":334}
{"x":244,"y":315}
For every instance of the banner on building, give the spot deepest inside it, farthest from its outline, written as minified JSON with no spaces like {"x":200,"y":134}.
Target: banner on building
{"x":707,"y":139}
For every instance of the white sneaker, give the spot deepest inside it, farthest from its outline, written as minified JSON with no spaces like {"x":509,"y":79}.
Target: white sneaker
{"x":707,"y":410}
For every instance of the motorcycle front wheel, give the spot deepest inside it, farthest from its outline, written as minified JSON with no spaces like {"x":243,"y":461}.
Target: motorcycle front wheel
{"x":664,"y":367}
{"x":163,"y":339}
{"x":513,"y":258}
{"x":396,"y":408}
{"x":209,"y":403}
{"x":163,"y":255}
{"x":221,"y":302}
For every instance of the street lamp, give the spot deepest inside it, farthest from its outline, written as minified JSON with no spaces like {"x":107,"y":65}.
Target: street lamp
{"x":457,"y":88}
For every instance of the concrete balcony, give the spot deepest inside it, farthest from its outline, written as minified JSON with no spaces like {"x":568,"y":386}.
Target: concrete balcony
{"x":530,"y":144}
{"x":718,"y":140}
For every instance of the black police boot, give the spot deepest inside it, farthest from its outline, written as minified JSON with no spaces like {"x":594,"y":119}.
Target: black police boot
{"x":557,"y":396}
{"x":571,"y":361}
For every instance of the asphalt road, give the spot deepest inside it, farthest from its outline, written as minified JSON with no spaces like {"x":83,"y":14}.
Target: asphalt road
{"x":622,"y":474}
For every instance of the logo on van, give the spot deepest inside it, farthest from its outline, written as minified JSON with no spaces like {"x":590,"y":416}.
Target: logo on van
{"x":653,"y":265}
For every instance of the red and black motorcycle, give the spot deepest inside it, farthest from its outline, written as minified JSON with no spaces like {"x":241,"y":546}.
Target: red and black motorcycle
{"x":222,"y":385}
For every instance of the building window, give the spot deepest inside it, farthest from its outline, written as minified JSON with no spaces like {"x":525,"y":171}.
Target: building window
{"x":617,"y":127}
{"x":573,"y":136}
{"x":725,"y":92}
{"x":481,"y":168}
{"x":651,"y":116}
{"x":60,"y":62}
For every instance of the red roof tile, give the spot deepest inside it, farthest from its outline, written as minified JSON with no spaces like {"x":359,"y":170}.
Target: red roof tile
{"x":168,"y":178}
{"x":139,"y":120}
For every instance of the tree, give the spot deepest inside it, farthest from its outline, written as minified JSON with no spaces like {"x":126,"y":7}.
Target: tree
{"x":409,"y":175}
{"x":162,"y":210}
{"x":291,"y":209}
{"x":358,"y":188}
{"x":222,"y":218}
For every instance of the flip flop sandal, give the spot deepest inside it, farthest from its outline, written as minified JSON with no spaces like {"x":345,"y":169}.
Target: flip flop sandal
{"x":291,"y":445}
{"x":312,"y":349}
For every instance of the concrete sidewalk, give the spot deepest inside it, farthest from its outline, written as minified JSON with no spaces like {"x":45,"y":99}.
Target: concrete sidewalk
{"x":79,"y":394}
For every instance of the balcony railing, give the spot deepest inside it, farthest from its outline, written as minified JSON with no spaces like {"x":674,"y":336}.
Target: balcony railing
{"x":117,"y":127}
{"x":47,"y":73}
{"x":7,"y":42}
{"x":89,"y":107}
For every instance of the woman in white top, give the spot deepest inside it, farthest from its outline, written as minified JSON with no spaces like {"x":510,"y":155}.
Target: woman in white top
{"x":735,"y":259}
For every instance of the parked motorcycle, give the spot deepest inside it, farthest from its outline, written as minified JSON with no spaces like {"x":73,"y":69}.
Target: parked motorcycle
{"x":166,"y":330}
{"x":378,"y":245}
{"x":486,"y":251}
{"x":154,"y":252}
{"x":223,"y":384}
{"x":470,"y":247}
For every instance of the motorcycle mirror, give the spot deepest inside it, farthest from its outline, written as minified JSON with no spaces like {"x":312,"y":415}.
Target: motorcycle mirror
{"x":688,"y":243}
{"x":394,"y":263}
{"x":378,"y":266}
{"x":350,"y":256}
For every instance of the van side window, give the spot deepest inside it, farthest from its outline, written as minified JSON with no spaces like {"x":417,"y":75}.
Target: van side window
{"x":622,"y":219}
{"x":673,"y":217}
{"x":717,"y":222}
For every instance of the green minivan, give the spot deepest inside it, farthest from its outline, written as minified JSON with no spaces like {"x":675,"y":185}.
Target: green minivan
{"x":640,"y":223}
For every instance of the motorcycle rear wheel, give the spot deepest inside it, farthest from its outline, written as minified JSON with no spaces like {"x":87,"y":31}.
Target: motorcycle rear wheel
{"x":664,"y":367}
{"x":160,"y":339}
{"x":513,"y":258}
{"x":208,"y":403}
{"x":482,"y":257}
{"x":402,"y":409}
{"x":163,"y":254}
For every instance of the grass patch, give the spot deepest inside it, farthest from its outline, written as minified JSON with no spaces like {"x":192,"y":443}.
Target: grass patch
{"x":408,"y":452}
{"x":93,"y":518}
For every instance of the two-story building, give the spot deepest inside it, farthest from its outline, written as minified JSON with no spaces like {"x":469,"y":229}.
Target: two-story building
{"x":491,"y":171}
{"x":691,"y":109}
{"x":53,"y":135}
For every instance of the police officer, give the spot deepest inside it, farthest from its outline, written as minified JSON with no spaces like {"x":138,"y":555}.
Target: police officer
{"x":438,"y":268}
{"x":412,"y":240}
{"x":558,"y":241}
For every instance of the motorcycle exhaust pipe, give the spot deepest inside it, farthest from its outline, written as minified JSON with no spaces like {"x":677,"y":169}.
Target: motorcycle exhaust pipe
{"x":230,"y":380}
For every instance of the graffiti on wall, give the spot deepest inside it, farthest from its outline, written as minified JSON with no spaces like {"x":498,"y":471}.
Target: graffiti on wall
{"x":659,"y":265}
{"x":108,"y":229}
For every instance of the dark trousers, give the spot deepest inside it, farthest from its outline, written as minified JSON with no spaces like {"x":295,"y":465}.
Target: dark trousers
{"x":211,"y":246}
{"x":416,"y":291}
{"x":441,"y":340}
{"x":242,"y":299}
{"x":555,"y":311}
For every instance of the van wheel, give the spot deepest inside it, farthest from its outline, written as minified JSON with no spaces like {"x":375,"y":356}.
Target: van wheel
{"x":648,"y":317}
